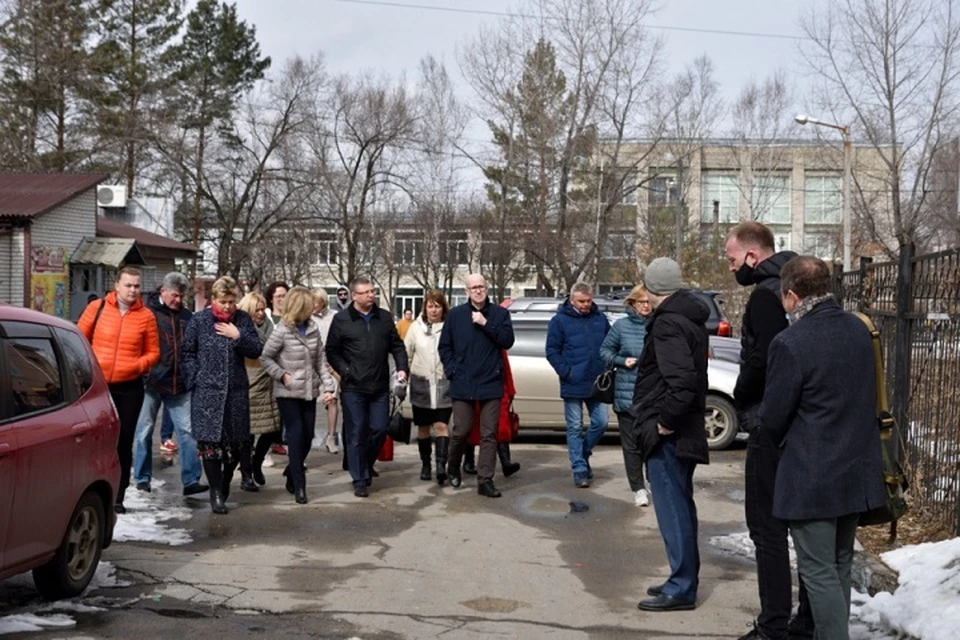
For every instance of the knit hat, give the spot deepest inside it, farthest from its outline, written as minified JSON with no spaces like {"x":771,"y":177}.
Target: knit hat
{"x":662,"y":277}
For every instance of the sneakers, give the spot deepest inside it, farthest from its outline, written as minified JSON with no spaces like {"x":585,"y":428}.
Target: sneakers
{"x":168,"y":446}
{"x":641,"y":498}
{"x":331,"y":442}
{"x":581,"y":480}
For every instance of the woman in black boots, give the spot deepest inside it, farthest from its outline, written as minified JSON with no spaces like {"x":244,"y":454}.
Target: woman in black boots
{"x":429,"y":388}
{"x":215,"y":344}
{"x":264,"y":414}
{"x":294,"y":357}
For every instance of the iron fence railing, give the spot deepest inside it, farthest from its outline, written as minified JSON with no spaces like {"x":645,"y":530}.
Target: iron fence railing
{"x":915,"y":303}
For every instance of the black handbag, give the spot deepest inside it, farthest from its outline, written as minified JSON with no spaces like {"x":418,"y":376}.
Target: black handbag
{"x":604,"y":386}
{"x":398,"y":428}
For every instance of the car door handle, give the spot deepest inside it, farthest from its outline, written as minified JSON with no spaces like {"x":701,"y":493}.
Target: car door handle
{"x":4,"y":446}
{"x":83,"y":427}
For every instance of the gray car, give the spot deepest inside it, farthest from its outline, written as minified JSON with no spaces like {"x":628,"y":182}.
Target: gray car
{"x":538,"y":400}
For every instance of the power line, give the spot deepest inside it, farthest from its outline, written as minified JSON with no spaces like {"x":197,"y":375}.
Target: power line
{"x":529,"y":16}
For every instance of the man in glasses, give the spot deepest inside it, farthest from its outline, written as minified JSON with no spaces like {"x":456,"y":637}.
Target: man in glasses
{"x":472,"y":343}
{"x":362,"y":337}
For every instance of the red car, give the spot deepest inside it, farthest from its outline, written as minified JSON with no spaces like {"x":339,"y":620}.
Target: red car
{"x":58,"y":453}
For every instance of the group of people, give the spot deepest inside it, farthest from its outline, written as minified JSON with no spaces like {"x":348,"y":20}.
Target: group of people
{"x":242,"y":376}
{"x":258,"y":367}
{"x":805,"y":394}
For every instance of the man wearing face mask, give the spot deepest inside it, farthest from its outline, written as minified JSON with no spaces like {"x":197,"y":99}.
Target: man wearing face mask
{"x":752,"y":258}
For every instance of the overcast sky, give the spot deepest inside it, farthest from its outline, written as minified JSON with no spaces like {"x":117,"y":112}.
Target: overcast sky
{"x":357,"y":35}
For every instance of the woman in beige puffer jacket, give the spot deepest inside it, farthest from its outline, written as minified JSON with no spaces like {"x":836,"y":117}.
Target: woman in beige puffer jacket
{"x":294,"y":357}
{"x":264,"y":414}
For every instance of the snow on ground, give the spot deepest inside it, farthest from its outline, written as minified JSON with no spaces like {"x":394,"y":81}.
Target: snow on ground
{"x":146,"y":512}
{"x":926,"y":604}
{"x":145,"y":521}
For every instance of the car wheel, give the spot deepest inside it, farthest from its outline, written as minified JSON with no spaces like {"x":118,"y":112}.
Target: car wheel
{"x":73,"y":566}
{"x":720,"y":420}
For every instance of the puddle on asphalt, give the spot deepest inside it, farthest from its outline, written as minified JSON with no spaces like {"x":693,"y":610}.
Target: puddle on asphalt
{"x":553,"y":506}
{"x":494,"y":605}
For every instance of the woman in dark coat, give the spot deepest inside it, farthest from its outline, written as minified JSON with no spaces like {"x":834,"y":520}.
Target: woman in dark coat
{"x":215,"y":344}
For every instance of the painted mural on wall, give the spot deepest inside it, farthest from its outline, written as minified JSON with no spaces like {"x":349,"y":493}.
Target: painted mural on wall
{"x":50,"y":280}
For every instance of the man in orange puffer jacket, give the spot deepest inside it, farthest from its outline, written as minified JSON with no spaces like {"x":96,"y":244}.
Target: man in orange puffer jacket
{"x":124,"y":337}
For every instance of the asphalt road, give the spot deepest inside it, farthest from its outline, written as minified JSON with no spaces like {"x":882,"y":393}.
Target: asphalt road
{"x":419,"y":561}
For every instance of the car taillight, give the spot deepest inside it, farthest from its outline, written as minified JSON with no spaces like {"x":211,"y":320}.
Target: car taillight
{"x":724,"y":330}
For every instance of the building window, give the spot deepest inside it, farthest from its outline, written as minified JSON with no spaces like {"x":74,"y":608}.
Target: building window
{"x":781,"y":241}
{"x":771,"y":200}
{"x":822,"y":199}
{"x":323,"y":248}
{"x":628,"y":190}
{"x":822,"y":245}
{"x":454,"y":250}
{"x":618,"y":245}
{"x":725,"y":190}
{"x":407,"y":251}
{"x":663,"y":191}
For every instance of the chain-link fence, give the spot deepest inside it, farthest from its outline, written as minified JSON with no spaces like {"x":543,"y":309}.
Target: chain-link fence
{"x":915,"y":303}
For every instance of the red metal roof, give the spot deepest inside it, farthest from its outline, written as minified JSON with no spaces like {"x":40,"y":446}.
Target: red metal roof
{"x":107,"y":228}
{"x":25,"y":195}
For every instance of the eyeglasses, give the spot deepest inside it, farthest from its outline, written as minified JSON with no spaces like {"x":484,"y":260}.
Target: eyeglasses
{"x":641,"y":302}
{"x":477,"y":287}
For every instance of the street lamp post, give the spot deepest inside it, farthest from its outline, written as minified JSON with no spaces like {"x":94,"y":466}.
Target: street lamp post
{"x":847,"y":161}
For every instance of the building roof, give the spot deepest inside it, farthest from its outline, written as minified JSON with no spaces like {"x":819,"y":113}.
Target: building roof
{"x":107,"y":228}
{"x":26,"y":195}
{"x":110,"y":252}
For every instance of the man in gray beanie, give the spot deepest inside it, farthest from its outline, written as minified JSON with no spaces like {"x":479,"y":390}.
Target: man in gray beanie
{"x":669,"y":402}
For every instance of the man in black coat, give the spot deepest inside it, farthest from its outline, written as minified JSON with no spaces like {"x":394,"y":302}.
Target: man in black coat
{"x":752,"y":258}
{"x":820,"y":407}
{"x":474,"y":337}
{"x":360,"y":341}
{"x":668,"y":403}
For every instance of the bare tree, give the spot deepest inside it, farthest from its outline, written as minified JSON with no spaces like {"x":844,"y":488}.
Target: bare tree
{"x":587,"y":76}
{"x":889,"y":70}
{"x":761,"y":117}
{"x":688,"y":109}
{"x":352,"y":152}
{"x":252,"y":185}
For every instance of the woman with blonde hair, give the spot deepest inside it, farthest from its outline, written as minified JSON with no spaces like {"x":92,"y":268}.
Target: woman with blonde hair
{"x":264,"y":414}
{"x":323,"y":316}
{"x":294,"y":357}
{"x":429,"y":387}
{"x":215,"y":345}
{"x":622,"y":348}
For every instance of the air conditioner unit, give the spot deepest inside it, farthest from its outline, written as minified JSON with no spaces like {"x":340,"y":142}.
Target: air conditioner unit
{"x":111,"y":196}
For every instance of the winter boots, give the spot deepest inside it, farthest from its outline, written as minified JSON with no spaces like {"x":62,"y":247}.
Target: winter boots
{"x":509,"y":468}
{"x":442,"y":444}
{"x":424,"y":444}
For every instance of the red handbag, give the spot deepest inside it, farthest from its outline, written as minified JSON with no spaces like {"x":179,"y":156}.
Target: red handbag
{"x":514,"y":422}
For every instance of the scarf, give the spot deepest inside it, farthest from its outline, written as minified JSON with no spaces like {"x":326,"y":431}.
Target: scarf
{"x":806,"y":305}
{"x":220,"y":316}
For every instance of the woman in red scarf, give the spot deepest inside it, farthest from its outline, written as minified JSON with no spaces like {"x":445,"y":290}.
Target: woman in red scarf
{"x":506,"y":427}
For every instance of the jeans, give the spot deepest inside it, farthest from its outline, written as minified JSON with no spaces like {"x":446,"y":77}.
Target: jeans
{"x":128,"y":399}
{"x":178,"y":407}
{"x":671,"y":481}
{"x":824,"y":557}
{"x":632,"y":458}
{"x":580,"y":446}
{"x":769,"y":536}
{"x":299,"y":417}
{"x":365,"y":419}
{"x":166,"y":425}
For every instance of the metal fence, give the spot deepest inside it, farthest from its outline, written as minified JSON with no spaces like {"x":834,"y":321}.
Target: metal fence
{"x":915,"y":303}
